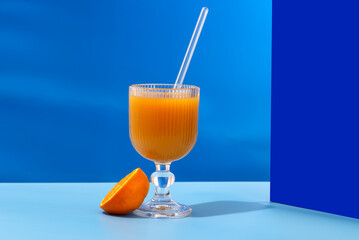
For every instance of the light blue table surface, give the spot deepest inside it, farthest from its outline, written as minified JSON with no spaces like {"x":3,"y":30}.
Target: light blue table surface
{"x":221,"y":210}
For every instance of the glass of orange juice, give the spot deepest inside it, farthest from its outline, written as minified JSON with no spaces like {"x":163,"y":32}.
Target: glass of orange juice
{"x":163,"y":128}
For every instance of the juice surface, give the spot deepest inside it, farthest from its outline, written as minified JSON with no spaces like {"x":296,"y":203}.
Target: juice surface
{"x":163,"y":129}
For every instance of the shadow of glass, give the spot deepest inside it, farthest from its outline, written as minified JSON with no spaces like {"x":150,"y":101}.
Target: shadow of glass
{"x":217,"y":208}
{"x":210,"y":209}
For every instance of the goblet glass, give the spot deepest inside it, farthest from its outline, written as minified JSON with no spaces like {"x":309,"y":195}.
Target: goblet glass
{"x":163,"y":128}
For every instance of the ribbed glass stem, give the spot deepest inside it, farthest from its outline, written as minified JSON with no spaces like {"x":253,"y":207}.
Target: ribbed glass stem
{"x":162,"y":179}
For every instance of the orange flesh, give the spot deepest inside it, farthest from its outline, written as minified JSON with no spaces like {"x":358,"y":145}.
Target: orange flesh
{"x":128,"y":194}
{"x":117,"y":187}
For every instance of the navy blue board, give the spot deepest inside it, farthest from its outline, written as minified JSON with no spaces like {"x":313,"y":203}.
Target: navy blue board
{"x":315,"y":105}
{"x":65,"y":69}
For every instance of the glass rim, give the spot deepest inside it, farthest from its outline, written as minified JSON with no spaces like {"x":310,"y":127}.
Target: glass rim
{"x":152,"y":87}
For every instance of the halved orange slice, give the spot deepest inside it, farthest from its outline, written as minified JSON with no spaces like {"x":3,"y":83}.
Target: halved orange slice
{"x":128,"y":194}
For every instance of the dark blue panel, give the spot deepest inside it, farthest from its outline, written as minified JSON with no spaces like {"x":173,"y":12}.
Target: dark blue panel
{"x":65,"y":68}
{"x":315,"y":105}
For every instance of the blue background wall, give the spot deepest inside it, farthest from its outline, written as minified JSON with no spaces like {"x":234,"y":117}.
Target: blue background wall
{"x":65,"y":68}
{"x":314,"y":141}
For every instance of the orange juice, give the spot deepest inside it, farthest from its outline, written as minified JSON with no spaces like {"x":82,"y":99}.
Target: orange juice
{"x":163,"y":129}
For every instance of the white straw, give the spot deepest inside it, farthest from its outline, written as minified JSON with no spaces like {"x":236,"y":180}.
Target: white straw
{"x":191,"y":47}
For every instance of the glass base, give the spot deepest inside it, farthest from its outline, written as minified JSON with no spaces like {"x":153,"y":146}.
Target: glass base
{"x":163,"y":209}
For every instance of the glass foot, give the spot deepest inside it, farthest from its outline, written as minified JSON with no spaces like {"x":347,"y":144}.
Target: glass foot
{"x":163,"y":209}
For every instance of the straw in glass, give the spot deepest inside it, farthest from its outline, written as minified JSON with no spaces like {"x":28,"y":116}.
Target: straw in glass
{"x":191,"y":47}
